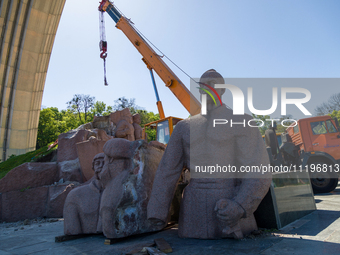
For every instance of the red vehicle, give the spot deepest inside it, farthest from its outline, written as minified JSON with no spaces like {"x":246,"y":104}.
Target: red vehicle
{"x":313,"y":145}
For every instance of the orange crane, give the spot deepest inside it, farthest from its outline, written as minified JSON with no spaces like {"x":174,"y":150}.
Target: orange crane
{"x":154,"y":62}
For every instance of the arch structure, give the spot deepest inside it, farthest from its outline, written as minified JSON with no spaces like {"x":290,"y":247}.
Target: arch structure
{"x":27,"y":29}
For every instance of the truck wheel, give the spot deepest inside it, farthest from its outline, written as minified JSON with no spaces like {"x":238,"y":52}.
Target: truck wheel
{"x":322,"y":183}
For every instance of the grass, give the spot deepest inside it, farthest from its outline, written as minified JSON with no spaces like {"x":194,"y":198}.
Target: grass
{"x":14,"y":161}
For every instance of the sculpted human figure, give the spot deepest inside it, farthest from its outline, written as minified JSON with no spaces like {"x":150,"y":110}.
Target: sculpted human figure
{"x":117,"y":163}
{"x":125,"y":128}
{"x":137,"y":127}
{"x":214,"y":205}
{"x":127,"y":177}
{"x":81,"y":209}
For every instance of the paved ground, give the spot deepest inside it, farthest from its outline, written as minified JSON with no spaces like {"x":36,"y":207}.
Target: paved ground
{"x":316,"y":233}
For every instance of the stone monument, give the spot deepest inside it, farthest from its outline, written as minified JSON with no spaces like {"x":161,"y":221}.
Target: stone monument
{"x":136,"y":124}
{"x":218,"y":205}
{"x":81,"y":209}
{"x":125,"y":128}
{"x":124,"y":184}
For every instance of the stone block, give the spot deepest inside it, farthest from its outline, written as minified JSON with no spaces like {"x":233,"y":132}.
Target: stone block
{"x":26,"y":204}
{"x":0,"y":207}
{"x":67,"y":149}
{"x":86,"y":151}
{"x":101,"y":122}
{"x":69,"y":170}
{"x":56,"y":199}
{"x":29,"y":175}
{"x":116,"y":116}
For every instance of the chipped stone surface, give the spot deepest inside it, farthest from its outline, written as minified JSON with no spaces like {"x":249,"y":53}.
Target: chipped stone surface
{"x":70,"y":170}
{"x":103,"y":123}
{"x":131,"y":167}
{"x":67,"y":144}
{"x":116,"y":116}
{"x":126,"y":178}
{"x":44,"y":201}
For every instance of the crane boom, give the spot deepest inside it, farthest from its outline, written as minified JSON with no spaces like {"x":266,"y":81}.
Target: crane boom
{"x":152,"y":59}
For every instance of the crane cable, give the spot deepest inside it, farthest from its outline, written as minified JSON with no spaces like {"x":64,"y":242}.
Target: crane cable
{"x":163,"y":55}
{"x":144,"y":37}
{"x":103,"y":43}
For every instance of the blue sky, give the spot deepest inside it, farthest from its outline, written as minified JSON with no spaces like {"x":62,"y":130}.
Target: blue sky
{"x":238,"y":38}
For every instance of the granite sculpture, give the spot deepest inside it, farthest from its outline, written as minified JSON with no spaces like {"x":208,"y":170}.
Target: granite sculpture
{"x":127,"y":177}
{"x":217,"y":205}
{"x":50,"y":177}
{"x":136,"y":125}
{"x":81,"y":209}
{"x":118,"y":206}
{"x":125,"y":129}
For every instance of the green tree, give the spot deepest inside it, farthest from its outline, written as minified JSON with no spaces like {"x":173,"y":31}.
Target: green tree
{"x":48,"y":126}
{"x":52,"y":123}
{"x":335,"y":114}
{"x":100,"y":109}
{"x":122,"y":103}
{"x":81,"y":104}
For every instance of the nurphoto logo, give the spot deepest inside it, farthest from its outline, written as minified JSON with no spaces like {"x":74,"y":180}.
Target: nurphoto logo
{"x":238,"y":103}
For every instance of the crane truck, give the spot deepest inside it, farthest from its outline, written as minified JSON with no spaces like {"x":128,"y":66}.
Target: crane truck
{"x":313,"y":144}
{"x":153,"y":61}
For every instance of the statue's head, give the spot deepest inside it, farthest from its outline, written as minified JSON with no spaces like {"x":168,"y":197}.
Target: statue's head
{"x":119,"y":155}
{"x":97,"y":164}
{"x":211,"y":77}
{"x":136,"y":118}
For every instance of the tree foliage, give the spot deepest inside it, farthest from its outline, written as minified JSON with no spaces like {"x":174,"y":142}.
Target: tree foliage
{"x":122,"y":103}
{"x":100,"y":109}
{"x":82,"y":109}
{"x":52,"y":123}
{"x":335,"y":114}
{"x":81,"y":104}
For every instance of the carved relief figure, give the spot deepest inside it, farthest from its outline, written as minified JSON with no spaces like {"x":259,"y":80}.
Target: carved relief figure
{"x":125,"y":128}
{"x":81,"y":209}
{"x":137,"y":127}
